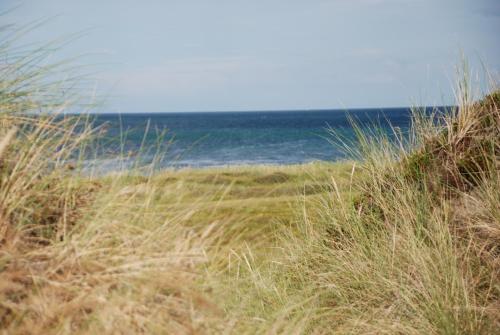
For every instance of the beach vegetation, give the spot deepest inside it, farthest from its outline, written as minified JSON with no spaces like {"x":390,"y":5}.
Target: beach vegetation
{"x":403,"y":239}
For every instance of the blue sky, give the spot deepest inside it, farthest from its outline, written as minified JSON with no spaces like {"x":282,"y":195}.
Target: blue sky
{"x":218,"y":55}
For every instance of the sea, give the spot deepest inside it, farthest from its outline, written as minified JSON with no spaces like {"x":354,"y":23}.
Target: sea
{"x":208,"y":139}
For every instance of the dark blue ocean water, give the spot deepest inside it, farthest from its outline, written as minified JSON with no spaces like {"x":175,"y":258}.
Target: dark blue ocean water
{"x":232,"y":138}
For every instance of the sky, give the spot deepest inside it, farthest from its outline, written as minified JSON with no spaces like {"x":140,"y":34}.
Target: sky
{"x":231,"y":55}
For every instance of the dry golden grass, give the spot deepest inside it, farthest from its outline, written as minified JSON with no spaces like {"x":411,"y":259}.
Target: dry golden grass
{"x":135,"y":260}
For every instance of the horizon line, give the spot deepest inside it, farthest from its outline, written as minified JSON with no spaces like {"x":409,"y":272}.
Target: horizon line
{"x":272,"y":110}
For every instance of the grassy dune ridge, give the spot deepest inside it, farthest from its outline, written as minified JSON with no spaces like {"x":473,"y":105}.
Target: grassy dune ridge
{"x":402,"y":241}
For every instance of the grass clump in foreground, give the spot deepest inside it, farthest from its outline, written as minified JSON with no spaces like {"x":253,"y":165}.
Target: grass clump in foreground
{"x":404,"y":240}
